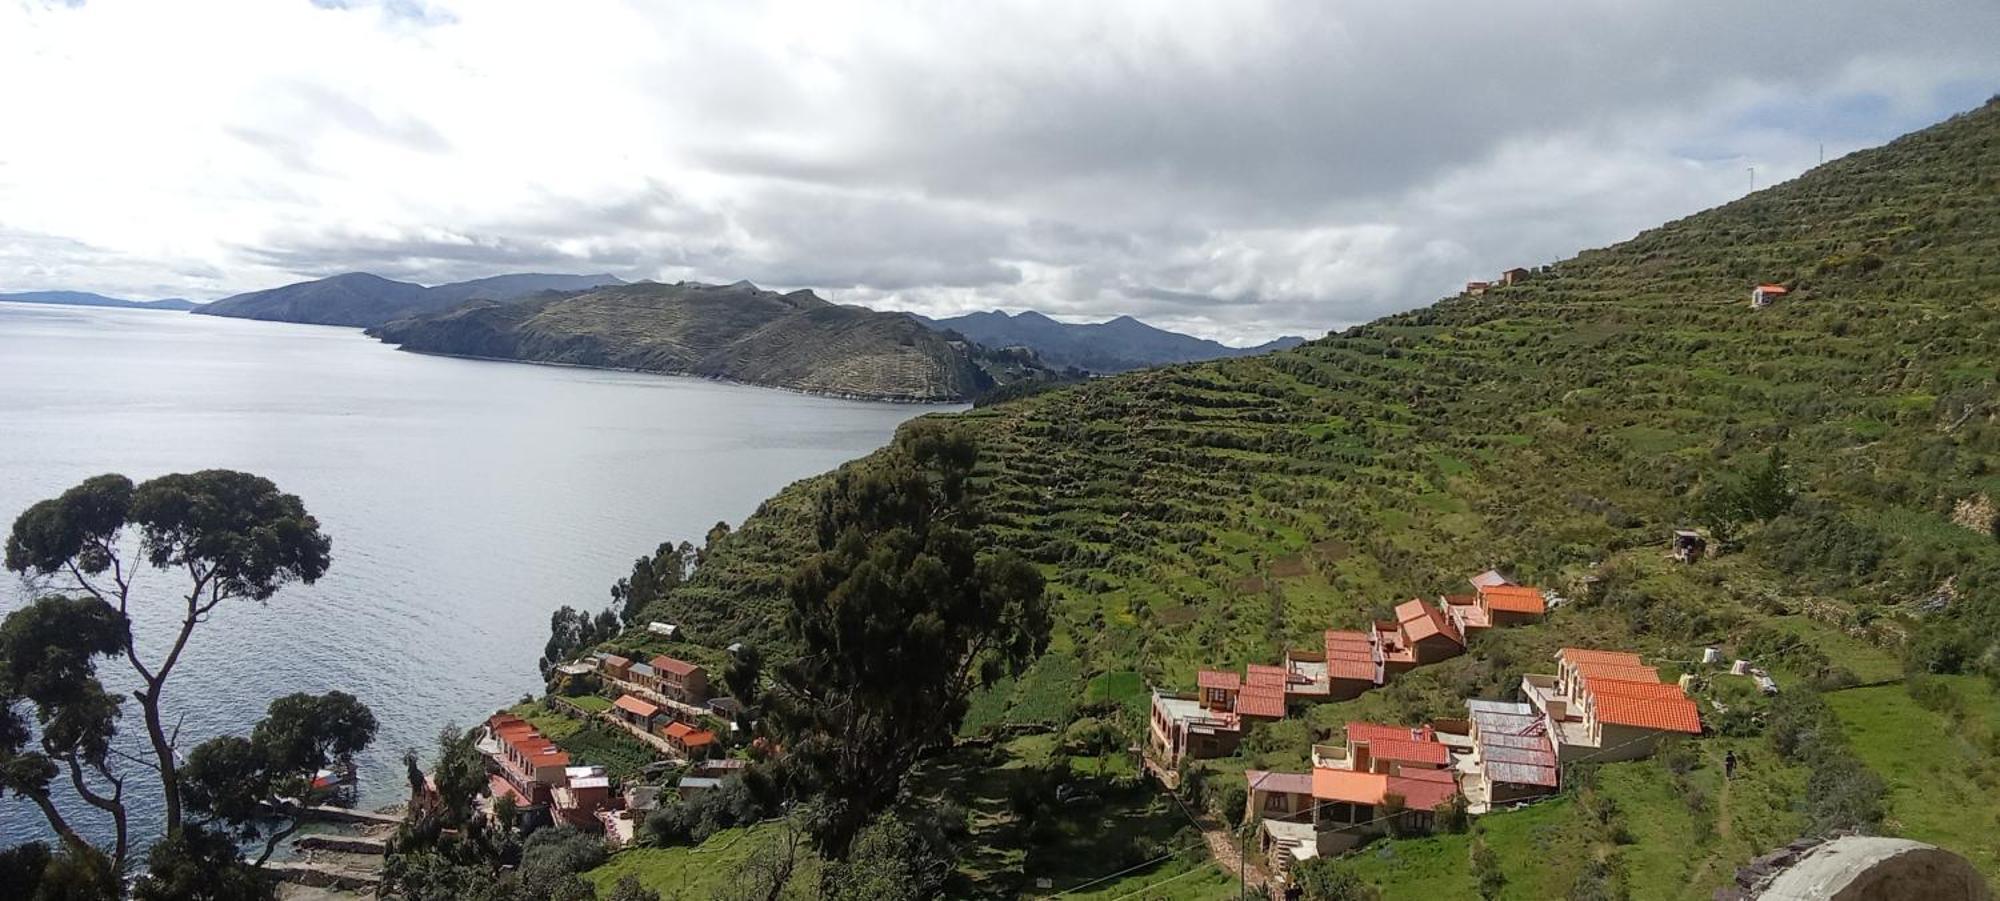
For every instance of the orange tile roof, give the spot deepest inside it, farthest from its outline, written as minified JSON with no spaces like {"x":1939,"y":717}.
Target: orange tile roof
{"x":1211,"y":678}
{"x":636,"y":706}
{"x":1261,"y":700}
{"x":1773,"y":289}
{"x":1592,"y":669}
{"x":1514,"y":599}
{"x":1666,"y":714}
{"x":1631,"y":688}
{"x":1421,"y":621}
{"x":1331,"y":784}
{"x":678,"y":667}
{"x":1580,"y":655}
{"x":677,"y":729}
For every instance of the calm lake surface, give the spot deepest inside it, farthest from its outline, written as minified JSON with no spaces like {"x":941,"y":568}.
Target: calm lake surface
{"x":466,"y":499}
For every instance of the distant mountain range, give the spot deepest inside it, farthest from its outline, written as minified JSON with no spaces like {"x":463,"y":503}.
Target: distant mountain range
{"x":87,"y":299}
{"x":361,"y":299}
{"x":737,"y":332}
{"x":740,"y":332}
{"x":1116,"y":346}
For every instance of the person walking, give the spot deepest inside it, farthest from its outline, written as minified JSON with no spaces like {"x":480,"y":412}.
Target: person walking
{"x":1729,"y":765}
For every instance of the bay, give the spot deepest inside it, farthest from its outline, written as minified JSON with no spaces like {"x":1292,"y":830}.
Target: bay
{"x":466,"y":499}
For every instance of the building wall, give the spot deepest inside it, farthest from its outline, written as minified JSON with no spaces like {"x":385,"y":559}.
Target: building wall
{"x":1436,"y":648}
{"x":1617,"y":742}
{"x":1346,"y":689}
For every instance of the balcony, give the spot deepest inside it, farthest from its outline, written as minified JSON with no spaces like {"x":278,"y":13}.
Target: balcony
{"x":1542,"y":692}
{"x":1333,"y":757}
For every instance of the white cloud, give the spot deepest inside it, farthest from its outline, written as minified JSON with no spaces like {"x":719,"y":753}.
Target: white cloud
{"x":1238,"y":169}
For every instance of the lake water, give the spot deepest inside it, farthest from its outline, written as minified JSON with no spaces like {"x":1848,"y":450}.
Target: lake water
{"x":466,"y":499}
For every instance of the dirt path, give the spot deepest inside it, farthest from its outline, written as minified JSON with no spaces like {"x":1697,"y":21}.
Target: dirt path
{"x":1223,"y":848}
{"x":1724,"y":831}
{"x":1723,"y":828}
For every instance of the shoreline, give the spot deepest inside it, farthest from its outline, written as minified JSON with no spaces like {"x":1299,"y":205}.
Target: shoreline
{"x":807,"y":392}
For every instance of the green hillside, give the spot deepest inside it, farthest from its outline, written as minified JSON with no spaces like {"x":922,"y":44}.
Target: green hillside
{"x":1211,"y":514}
{"x":737,"y":332}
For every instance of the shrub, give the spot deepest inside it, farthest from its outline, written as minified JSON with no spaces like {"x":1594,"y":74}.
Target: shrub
{"x":1230,"y":800}
{"x":1329,"y":879}
{"x":1486,"y":870}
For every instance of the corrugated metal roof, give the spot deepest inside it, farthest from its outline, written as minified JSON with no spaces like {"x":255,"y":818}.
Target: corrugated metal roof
{"x":1284,"y":783}
{"x":1521,"y":774}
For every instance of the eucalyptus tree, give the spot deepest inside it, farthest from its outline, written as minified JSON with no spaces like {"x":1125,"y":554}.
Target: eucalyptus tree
{"x":48,"y":664}
{"x":235,"y":780}
{"x":898,"y":617}
{"x":220,"y":536}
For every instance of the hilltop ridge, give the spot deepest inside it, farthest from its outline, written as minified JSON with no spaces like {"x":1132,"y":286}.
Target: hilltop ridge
{"x":1116,"y":345}
{"x":739,"y":332}
{"x":365,"y":300}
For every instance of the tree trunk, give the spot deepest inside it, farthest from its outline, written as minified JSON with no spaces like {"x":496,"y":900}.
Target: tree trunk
{"x":56,"y":822}
{"x":149,"y":701}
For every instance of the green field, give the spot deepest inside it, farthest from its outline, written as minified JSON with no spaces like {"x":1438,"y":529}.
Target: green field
{"x":1942,"y":766}
{"x":687,"y":872}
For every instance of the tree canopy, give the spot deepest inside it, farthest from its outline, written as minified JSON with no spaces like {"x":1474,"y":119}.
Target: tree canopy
{"x":227,"y":536}
{"x":898,"y":618}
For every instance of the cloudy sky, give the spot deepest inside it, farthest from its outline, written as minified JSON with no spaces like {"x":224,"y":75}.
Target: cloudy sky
{"x":1237,"y":169}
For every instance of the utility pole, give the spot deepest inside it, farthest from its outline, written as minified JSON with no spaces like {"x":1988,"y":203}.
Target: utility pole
{"x":1753,"y":179}
{"x":1822,"y":153}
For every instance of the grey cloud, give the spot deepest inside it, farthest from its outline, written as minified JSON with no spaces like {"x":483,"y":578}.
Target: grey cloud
{"x":1240,"y":169}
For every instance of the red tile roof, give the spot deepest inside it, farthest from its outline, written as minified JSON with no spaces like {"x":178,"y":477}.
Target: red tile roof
{"x":667,"y":664}
{"x":1261,"y":674}
{"x":1351,"y":670}
{"x":1359,"y":731}
{"x":1423,"y":789}
{"x":1261,"y":701}
{"x":1580,"y":655}
{"x":1666,"y":714}
{"x":616,"y":662}
{"x":1211,"y":678}
{"x":636,"y":706}
{"x":1406,"y":751}
{"x":1350,"y":656}
{"x":1514,"y":599}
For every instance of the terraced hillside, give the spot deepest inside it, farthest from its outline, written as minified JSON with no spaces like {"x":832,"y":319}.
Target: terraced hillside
{"x":738,"y":332}
{"x":1213,"y":514}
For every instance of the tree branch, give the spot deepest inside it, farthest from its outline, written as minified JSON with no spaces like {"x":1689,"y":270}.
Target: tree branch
{"x":271,"y":843}
{"x":113,"y":805}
